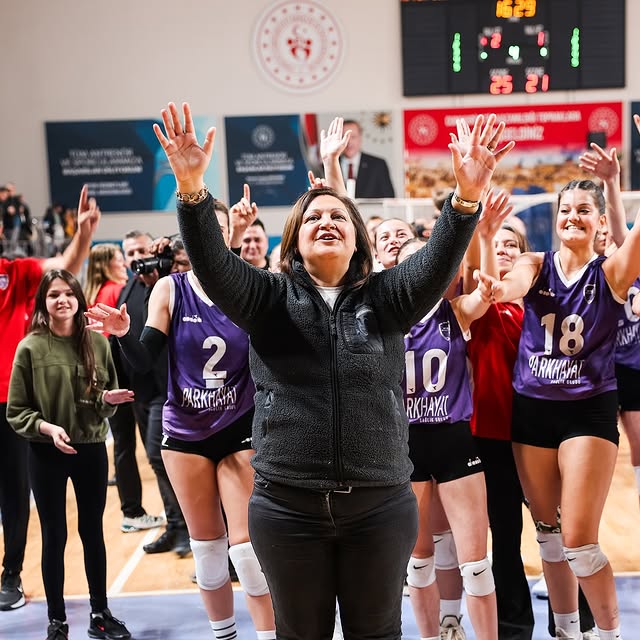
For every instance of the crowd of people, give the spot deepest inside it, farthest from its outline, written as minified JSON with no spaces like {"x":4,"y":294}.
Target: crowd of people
{"x":313,"y":425}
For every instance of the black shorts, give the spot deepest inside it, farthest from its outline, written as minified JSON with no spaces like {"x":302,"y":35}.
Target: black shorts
{"x":628,"y":388}
{"x":548,"y":423}
{"x":235,"y":437}
{"x":442,"y":452}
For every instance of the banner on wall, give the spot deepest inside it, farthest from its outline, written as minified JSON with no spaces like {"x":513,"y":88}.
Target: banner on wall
{"x":273,"y":154}
{"x":635,"y":150}
{"x":121,"y":161}
{"x":549,"y":140}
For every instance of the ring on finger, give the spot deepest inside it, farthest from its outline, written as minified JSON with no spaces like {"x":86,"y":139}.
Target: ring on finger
{"x":491,"y":148}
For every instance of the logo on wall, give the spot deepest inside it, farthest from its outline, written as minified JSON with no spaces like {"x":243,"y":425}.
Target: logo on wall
{"x":263,"y":136}
{"x":423,"y":129}
{"x":298,"y":45}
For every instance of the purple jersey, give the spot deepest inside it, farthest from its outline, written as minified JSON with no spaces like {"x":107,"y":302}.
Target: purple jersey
{"x":566,"y":348}
{"x":436,"y":381}
{"x":209,"y":381}
{"x":628,"y":337}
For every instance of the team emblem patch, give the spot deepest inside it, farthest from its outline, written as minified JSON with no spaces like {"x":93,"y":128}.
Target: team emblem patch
{"x":4,"y":281}
{"x":445,"y":330}
{"x":589,"y":293}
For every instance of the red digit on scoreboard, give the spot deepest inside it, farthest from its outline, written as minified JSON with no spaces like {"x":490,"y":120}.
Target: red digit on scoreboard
{"x":501,"y":84}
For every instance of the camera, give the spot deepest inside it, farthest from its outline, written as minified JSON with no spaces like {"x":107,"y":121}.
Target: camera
{"x":162,"y":261}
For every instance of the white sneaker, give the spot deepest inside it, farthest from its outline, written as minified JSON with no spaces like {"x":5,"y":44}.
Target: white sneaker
{"x":592,"y":634}
{"x":141,"y":522}
{"x":337,"y":629}
{"x":561,"y":633}
{"x":539,"y":589}
{"x":451,"y":628}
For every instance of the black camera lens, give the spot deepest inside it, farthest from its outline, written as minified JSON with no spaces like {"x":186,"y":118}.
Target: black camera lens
{"x":145,"y":265}
{"x":161,"y":263}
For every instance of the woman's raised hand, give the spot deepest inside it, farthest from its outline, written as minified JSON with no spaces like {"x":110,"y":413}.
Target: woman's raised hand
{"x":187,"y":158}
{"x":333,"y":142}
{"x":474,"y":162}
{"x":495,"y":210}
{"x":603,"y":165}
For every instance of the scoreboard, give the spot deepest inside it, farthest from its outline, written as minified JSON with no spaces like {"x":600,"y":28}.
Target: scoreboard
{"x":511,"y":46}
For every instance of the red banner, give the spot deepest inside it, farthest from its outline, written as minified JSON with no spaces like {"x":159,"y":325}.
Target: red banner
{"x":549,"y":139}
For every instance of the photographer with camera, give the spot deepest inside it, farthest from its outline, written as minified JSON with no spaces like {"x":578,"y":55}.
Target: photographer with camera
{"x":148,"y":261}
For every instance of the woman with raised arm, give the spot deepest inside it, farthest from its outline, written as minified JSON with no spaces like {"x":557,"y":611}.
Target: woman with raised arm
{"x":332,"y":512}
{"x":606,"y":167}
{"x":438,"y":404}
{"x":206,"y":420}
{"x":565,"y":403}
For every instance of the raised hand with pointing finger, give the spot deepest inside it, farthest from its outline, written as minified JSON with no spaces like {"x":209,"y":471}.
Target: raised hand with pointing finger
{"x":241,"y":216}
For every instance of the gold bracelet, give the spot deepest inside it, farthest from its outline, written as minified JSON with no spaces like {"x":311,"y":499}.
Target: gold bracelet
{"x":468,"y":204}
{"x":193,"y":198}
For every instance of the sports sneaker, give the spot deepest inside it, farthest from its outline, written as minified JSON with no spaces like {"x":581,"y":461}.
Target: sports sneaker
{"x":11,"y":593}
{"x":58,"y":630}
{"x":592,"y":634}
{"x":561,"y":633}
{"x":141,"y":522}
{"x":539,"y":589}
{"x":451,"y":628}
{"x":104,"y":625}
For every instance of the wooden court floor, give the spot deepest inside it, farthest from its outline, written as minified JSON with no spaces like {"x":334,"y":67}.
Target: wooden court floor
{"x":131,"y":571}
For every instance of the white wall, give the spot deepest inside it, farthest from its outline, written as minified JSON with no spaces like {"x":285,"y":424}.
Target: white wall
{"x":124,"y":59}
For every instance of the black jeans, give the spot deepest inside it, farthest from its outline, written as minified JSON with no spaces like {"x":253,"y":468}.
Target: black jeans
{"x":316,"y":546}
{"x":50,"y":471}
{"x":14,"y":493}
{"x":504,"y":506}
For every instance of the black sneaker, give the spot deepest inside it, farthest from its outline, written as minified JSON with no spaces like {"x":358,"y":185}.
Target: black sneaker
{"x":58,"y":630}
{"x":11,"y":593}
{"x":104,"y":625}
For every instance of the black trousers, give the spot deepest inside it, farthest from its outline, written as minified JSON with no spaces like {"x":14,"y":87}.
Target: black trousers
{"x":504,"y":504}
{"x":316,"y":546}
{"x":123,"y":428}
{"x":175,"y":519}
{"x":50,"y":471}
{"x":14,"y":493}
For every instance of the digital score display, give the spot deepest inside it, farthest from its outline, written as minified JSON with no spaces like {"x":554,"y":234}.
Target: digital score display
{"x":511,"y":46}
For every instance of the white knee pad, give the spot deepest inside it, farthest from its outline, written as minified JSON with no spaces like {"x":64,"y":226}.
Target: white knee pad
{"x":212,"y":562}
{"x":551,"y":549}
{"x":477,"y":577}
{"x":248,"y":569}
{"x":446,"y":554}
{"x":421,"y":572}
{"x":586,"y":560}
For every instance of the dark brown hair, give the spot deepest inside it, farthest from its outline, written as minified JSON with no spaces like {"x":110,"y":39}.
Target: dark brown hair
{"x":361,"y":262}
{"x":586,"y":185}
{"x":40,"y":319}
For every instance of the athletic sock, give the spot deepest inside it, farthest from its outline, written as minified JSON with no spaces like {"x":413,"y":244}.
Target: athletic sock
{"x":224,"y":629}
{"x":266,"y":635}
{"x":612,"y":634}
{"x":450,"y":608}
{"x":636,"y":470}
{"x":568,"y":622}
